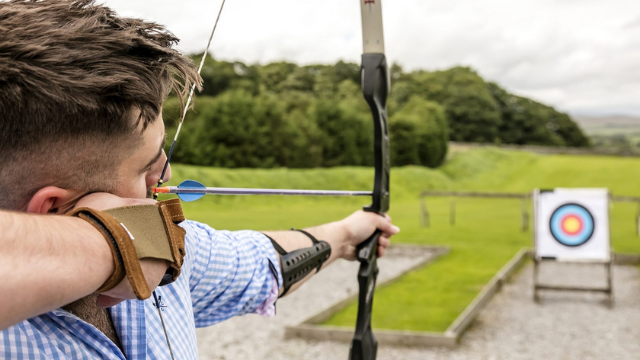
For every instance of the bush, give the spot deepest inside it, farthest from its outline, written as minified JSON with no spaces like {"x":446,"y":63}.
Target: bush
{"x":346,"y":126}
{"x":236,"y":129}
{"x":419,"y":134}
{"x":472,"y":113}
{"x":285,"y":115}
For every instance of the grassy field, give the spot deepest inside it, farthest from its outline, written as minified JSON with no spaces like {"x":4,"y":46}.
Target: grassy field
{"x":487,"y":232}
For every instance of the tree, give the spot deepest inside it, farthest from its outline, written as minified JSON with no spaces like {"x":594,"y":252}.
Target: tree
{"x":282,"y":114}
{"x":220,"y":76}
{"x":346,"y":126}
{"x":472,"y":112}
{"x":525,"y":121}
{"x":419,"y":134}
{"x":271,"y":75}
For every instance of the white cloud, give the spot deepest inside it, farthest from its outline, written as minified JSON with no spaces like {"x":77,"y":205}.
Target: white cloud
{"x":582,"y":56}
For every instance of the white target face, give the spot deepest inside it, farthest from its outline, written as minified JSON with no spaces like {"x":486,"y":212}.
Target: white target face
{"x":572,"y":224}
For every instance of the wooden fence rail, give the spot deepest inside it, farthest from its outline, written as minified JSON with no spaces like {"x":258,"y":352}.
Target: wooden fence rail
{"x":425,"y":220}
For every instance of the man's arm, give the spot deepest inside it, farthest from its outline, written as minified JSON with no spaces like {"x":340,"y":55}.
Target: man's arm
{"x":48,"y":261}
{"x":230,"y":272}
{"x":343,"y":236}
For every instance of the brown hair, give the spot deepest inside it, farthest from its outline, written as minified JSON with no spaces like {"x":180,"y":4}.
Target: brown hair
{"x":76,"y":82}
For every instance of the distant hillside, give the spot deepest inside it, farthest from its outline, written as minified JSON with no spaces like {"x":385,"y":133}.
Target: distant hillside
{"x":617,"y":132}
{"x":596,"y":124}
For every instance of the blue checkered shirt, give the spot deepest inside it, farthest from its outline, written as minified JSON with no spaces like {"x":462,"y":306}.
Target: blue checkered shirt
{"x":224,"y":274}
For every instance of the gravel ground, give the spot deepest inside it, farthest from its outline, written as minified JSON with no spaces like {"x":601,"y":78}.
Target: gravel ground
{"x":566,"y":325}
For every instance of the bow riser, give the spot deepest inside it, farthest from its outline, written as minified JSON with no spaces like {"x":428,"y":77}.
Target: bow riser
{"x":374,"y":89}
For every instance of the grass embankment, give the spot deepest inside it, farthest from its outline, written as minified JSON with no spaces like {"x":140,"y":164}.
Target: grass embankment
{"x":487,"y":232}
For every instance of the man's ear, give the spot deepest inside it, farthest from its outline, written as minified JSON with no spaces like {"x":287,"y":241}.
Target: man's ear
{"x":53,"y":199}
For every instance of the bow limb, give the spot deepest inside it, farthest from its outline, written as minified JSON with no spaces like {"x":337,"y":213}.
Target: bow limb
{"x":375,"y":87}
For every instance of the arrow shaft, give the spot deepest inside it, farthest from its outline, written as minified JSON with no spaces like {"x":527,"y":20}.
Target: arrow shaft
{"x":249,"y":191}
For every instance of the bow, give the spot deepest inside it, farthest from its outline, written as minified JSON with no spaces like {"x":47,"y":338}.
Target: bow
{"x":375,"y":87}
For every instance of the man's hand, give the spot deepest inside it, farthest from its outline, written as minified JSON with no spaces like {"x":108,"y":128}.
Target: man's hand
{"x":360,"y":225}
{"x":153,"y":269}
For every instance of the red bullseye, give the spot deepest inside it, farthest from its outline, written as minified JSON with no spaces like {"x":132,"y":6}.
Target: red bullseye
{"x":571,"y":224}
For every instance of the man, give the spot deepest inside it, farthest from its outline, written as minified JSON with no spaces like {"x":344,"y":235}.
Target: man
{"x":81,"y":94}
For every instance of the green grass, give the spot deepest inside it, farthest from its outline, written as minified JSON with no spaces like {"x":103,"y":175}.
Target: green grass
{"x":486,"y":235}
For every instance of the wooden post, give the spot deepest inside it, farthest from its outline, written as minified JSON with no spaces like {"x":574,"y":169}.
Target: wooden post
{"x":452,"y":212}
{"x":638,"y":220}
{"x":536,"y":264}
{"x":525,"y":215}
{"x":424,"y":218}
{"x":610,"y":280}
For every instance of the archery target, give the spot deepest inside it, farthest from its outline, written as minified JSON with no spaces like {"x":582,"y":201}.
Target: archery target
{"x":572,"y":224}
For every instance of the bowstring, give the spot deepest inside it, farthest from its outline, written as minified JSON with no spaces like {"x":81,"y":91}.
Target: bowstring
{"x":173,"y":144}
{"x":166,"y":336}
{"x":189,"y":98}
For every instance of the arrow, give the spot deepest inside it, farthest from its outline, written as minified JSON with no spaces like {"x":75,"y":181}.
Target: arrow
{"x":191,"y":190}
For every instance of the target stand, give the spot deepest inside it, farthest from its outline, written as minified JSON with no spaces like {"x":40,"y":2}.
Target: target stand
{"x":572,"y":226}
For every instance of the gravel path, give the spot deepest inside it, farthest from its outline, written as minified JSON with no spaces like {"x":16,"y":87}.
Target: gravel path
{"x":566,"y":325}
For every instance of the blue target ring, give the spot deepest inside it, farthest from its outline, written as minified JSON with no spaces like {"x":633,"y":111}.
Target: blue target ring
{"x":571,"y":225}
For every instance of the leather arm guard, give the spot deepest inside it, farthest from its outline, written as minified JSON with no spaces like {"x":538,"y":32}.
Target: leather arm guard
{"x":296,"y":265}
{"x":140,"y":232}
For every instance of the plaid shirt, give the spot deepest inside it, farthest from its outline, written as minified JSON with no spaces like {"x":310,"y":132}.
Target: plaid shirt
{"x":224,"y":274}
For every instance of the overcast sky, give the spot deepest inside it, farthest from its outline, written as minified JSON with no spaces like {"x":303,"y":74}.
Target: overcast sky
{"x":582,"y":56}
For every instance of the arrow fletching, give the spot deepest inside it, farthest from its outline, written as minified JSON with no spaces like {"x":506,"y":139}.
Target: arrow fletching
{"x":191,"y":184}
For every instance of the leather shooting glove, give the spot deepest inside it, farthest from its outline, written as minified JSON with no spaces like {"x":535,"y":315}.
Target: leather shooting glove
{"x":138,"y":232}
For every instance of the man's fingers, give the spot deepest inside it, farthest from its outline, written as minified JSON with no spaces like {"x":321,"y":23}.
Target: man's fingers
{"x":383,"y":243}
{"x":387,"y":228}
{"x":361,"y":224}
{"x":381,"y":251}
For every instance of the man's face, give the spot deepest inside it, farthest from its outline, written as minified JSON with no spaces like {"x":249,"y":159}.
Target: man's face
{"x":141,"y":171}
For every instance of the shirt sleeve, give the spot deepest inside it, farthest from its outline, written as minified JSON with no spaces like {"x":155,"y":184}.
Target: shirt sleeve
{"x":230,"y":273}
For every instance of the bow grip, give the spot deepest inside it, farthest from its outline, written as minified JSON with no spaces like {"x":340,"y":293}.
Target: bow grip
{"x":367,"y":250}
{"x":364,"y":345}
